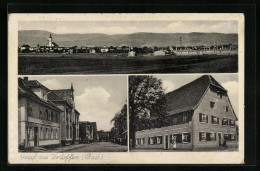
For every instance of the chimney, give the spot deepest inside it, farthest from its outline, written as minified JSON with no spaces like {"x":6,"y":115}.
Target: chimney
{"x":25,"y":78}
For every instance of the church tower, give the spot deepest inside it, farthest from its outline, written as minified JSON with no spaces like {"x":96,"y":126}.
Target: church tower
{"x":50,"y":41}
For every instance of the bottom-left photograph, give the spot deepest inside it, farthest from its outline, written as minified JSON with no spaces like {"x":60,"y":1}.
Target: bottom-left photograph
{"x":72,"y":114}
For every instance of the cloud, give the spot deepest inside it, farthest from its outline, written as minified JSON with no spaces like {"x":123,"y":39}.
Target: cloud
{"x":94,"y":105}
{"x":52,"y":84}
{"x":168,"y":86}
{"x":232,"y":88}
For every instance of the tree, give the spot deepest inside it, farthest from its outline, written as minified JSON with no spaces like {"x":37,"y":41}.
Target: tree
{"x":120,"y":123}
{"x":146,"y":104}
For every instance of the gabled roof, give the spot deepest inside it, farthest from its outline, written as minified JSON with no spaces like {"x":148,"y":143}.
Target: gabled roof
{"x":64,"y":94}
{"x":35,"y":84}
{"x":24,"y":90}
{"x":188,"y":96}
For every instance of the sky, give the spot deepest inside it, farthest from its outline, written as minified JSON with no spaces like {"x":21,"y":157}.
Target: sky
{"x":127,"y":27}
{"x":229,"y":82}
{"x":97,"y":98}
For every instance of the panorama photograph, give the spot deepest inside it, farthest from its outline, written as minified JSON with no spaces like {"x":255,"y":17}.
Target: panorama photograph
{"x":127,"y":47}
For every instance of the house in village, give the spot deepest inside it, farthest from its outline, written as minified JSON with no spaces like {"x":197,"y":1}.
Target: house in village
{"x":64,"y":99}
{"x":38,"y":118}
{"x":200,"y":115}
{"x":51,"y":118}
{"x":87,"y":131}
{"x":104,"y":49}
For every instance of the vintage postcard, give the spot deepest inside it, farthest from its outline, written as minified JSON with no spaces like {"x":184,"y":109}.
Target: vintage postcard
{"x":126,"y":88}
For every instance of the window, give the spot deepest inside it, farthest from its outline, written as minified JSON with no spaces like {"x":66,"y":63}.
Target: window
{"x":44,"y":96}
{"x":232,"y":137}
{"x":185,"y":118}
{"x":137,"y":141}
{"x":41,"y":114}
{"x":224,"y":121}
{"x":231,"y":123}
{"x":142,"y":141}
{"x":46,"y":114}
{"x":178,"y":138}
{"x":159,"y":140}
{"x":174,"y":121}
{"x":47,"y":134}
{"x":211,"y":136}
{"x":185,"y":137}
{"x":41,"y":133}
{"x":29,"y":109}
{"x":51,"y":116}
{"x":227,"y":137}
{"x":52,"y":134}
{"x":212,"y":105}
{"x":151,"y":140}
{"x":214,"y":120}
{"x":226,"y":108}
{"x":203,"y":118}
{"x":202,"y":136}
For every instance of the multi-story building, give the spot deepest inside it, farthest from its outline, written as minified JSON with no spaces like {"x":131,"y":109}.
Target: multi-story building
{"x":38,"y":117}
{"x":200,"y":115}
{"x":87,"y":131}
{"x":64,"y":99}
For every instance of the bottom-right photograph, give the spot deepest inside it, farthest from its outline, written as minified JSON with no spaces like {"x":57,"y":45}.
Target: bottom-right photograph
{"x":183,"y":112}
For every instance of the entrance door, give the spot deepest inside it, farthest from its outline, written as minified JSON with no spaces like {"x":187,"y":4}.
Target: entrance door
{"x":219,"y":139}
{"x":166,"y":142}
{"x":35,"y":136}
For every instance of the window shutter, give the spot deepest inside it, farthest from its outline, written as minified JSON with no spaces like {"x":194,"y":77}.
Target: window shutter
{"x":200,"y":117}
{"x":207,"y":118}
{"x":144,"y":140}
{"x":218,"y":120}
{"x":148,"y":140}
{"x":200,"y":136}
{"x":179,"y":138}
{"x":208,"y":136}
{"x":212,"y":119}
{"x":189,"y":138}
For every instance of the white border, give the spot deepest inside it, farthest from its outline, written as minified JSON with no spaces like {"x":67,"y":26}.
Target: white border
{"x":128,"y":157}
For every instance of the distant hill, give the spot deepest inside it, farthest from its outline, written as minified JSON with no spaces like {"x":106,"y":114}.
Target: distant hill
{"x":35,"y":37}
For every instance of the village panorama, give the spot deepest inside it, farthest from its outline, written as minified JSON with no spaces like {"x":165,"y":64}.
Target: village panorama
{"x":212,"y":56}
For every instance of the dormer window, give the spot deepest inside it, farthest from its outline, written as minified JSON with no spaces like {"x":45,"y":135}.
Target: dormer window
{"x":44,"y":95}
{"x":219,"y":94}
{"x":185,"y":118}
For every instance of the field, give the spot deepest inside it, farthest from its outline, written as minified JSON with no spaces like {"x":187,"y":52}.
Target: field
{"x":36,"y":64}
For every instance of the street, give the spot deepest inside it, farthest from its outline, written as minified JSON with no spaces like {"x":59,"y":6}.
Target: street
{"x":92,"y":147}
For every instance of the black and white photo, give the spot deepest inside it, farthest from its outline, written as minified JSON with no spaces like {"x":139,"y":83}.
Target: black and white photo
{"x":183,"y":113}
{"x":126,"y":47}
{"x":72,"y":114}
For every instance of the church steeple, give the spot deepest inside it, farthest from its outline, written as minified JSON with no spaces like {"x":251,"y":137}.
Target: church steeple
{"x":50,"y":41}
